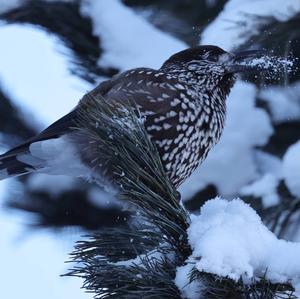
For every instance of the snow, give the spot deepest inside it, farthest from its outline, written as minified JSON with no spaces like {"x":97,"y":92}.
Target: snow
{"x":231,"y":164}
{"x":190,"y":290}
{"x":268,"y":163}
{"x":270,"y":62}
{"x":229,"y":239}
{"x":237,"y":22}
{"x":31,"y":264}
{"x":35,"y":74}
{"x":128,"y":40}
{"x":271,"y":66}
{"x":291,"y":168}
{"x":97,"y":195}
{"x":283,"y":101}
{"x":52,"y":184}
{"x":265,"y":188}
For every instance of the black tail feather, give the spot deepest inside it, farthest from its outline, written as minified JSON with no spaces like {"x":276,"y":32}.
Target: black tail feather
{"x":10,"y":166}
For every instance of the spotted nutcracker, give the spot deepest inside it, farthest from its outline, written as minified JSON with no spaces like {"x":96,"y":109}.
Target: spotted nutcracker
{"x":183,"y":104}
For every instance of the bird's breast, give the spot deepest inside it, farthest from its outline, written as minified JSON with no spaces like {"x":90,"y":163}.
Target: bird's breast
{"x":184,"y":135}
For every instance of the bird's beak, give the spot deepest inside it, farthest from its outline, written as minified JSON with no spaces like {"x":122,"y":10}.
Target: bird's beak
{"x":246,"y":61}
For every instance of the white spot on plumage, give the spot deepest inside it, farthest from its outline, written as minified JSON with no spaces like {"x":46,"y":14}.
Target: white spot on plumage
{"x":166,"y":126}
{"x":165,"y":156}
{"x":171,"y":114}
{"x":170,"y":86}
{"x":183,"y":106}
{"x":158,"y":119}
{"x":179,"y":86}
{"x":154,"y":127}
{"x":175,"y":102}
{"x":168,"y":166}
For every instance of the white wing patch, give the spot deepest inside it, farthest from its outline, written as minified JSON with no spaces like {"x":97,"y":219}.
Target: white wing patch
{"x":57,"y":156}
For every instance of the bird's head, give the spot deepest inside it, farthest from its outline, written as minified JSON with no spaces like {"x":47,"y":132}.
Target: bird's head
{"x":212,"y":66}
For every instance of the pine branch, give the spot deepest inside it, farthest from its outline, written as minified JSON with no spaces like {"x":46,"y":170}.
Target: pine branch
{"x":222,"y":288}
{"x":140,"y":260}
{"x":161,"y":223}
{"x":136,"y":165}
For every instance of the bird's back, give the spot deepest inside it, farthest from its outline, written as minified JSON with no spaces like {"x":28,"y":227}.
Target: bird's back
{"x":183,"y":123}
{"x":179,"y":120}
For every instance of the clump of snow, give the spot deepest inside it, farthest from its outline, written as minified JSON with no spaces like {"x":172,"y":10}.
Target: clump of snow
{"x":291,"y":169}
{"x":268,"y":163}
{"x":265,"y":188}
{"x":52,"y":184}
{"x":128,"y":40}
{"x":190,"y":290}
{"x":241,"y":19}
{"x":105,"y":200}
{"x":231,"y":164}
{"x":283,"y":101}
{"x":229,"y":239}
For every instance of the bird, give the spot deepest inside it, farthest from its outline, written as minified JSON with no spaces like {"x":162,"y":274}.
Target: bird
{"x":183,"y":104}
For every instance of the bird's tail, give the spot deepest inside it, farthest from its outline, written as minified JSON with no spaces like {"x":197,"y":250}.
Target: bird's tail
{"x":48,"y":152}
{"x":11,"y":164}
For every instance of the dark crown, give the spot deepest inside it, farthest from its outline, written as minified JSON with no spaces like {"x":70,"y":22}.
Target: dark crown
{"x":210,"y":53}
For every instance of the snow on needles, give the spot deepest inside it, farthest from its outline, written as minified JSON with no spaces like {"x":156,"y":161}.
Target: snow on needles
{"x":241,"y":19}
{"x":229,"y":239}
{"x":128,"y":40}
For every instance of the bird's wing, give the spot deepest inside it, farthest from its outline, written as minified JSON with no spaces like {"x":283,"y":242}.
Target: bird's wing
{"x":145,"y":87}
{"x":12,"y":163}
{"x":156,"y":94}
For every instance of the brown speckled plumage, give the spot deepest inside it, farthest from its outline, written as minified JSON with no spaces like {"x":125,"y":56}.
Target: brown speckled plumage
{"x":183,"y":104}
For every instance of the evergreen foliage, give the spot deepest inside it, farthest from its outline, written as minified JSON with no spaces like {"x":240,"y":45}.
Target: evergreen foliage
{"x":140,"y":260}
